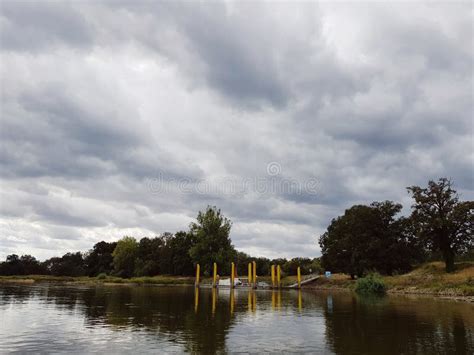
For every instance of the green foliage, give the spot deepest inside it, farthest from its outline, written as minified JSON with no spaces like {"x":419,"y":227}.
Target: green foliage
{"x":212,"y":240}
{"x":70,"y":264}
{"x":372,"y":284}
{"x":442,"y":222}
{"x":290,"y":267}
{"x":100,"y":259}
{"x":124,"y":256}
{"x":370,"y":238}
{"x":316,"y":267}
{"x":24,"y":265}
{"x":181,"y":261}
{"x":167,"y":254}
{"x":150,"y":255}
{"x":102,"y":276}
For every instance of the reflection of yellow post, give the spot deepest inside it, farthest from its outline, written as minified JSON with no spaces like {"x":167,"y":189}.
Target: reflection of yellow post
{"x":273,"y":299}
{"x":196,"y":299}
{"x":254,"y":278}
{"x":198,"y":270}
{"x":232,"y":275}
{"x":279,"y":299}
{"x":214,"y":276}
{"x":250,"y":274}
{"x":214,"y":300}
{"x":273,"y":275}
{"x":299,"y":277}
{"x":278,"y":276}
{"x":249,"y":300}
{"x":231,"y":301}
{"x":300,"y":301}
{"x":254,"y":303}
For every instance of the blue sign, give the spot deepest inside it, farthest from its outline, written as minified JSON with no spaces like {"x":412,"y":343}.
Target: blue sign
{"x":327,"y":274}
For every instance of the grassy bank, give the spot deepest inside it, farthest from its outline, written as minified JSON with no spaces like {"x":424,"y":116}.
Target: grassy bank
{"x":429,"y":278}
{"x":155,"y":280}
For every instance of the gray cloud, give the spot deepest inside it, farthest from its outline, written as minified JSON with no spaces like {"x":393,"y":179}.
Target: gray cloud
{"x":102,"y":101}
{"x":28,"y":26}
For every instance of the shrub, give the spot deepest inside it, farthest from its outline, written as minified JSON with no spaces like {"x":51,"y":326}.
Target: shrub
{"x":102,"y":276}
{"x":371,"y":284}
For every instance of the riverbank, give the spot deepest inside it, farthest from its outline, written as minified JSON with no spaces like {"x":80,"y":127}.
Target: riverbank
{"x":428,"y":279}
{"x":164,"y":280}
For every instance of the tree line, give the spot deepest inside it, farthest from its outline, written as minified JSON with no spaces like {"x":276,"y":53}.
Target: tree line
{"x":207,"y":241}
{"x":365,"y":238}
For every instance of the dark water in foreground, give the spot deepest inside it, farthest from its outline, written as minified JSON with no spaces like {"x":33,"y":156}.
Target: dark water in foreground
{"x":85,"y":319}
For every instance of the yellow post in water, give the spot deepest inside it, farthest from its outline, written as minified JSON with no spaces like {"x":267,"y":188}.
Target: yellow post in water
{"x":232,"y":275}
{"x":299,"y":277}
{"x":250,"y":274}
{"x":214,"y":276}
{"x":254,"y":277}
{"x":278,"y":276}
{"x":273,"y":275}
{"x":198,"y":271}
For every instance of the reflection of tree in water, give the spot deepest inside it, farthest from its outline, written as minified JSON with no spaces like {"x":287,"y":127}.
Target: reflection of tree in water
{"x":168,"y":312}
{"x":15,"y":294}
{"x":423,"y":326}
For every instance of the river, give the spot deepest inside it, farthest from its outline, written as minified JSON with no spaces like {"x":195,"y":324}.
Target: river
{"x":46,"y":317}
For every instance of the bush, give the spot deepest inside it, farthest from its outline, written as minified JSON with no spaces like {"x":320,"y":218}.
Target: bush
{"x":102,"y":276}
{"x":371,"y":284}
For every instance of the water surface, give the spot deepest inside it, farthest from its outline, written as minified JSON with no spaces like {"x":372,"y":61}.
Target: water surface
{"x":122,"y":319}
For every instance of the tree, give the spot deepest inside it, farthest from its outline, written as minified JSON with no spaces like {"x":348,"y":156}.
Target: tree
{"x":148,"y":258}
{"x":165,"y":257}
{"x":211,"y":233}
{"x":100,"y":259}
{"x":369,"y":238}
{"x":31,"y":266}
{"x":181,"y":244}
{"x":70,"y":264}
{"x":291,"y":266}
{"x":442,"y":221}
{"x":124,"y":256}
{"x":24,"y":265}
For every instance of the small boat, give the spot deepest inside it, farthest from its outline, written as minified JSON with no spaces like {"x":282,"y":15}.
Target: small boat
{"x":226,"y":282}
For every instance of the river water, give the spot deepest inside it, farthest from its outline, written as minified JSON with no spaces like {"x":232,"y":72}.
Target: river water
{"x":136,"y":319}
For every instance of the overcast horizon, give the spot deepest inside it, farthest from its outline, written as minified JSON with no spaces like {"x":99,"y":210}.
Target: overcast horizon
{"x":127,"y":118}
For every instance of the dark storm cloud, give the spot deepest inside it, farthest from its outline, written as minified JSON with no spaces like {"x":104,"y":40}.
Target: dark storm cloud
{"x":114,"y":115}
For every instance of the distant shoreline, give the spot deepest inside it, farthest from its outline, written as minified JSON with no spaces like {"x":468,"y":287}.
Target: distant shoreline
{"x":427,"y":280}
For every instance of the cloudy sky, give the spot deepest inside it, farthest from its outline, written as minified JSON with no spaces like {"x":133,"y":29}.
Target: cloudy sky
{"x":127,"y":118}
